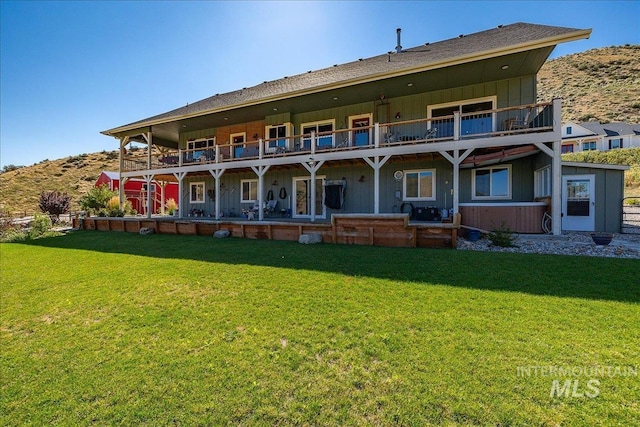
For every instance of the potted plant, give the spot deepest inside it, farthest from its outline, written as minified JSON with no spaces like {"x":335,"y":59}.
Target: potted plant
{"x":602,"y":239}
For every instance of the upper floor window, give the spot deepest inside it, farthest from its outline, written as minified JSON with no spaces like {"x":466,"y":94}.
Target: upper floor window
{"x":420,"y":185}
{"x":321,"y":129}
{"x":491,"y":183}
{"x":277,"y":137}
{"x":475,"y":116}
{"x":569,"y":130}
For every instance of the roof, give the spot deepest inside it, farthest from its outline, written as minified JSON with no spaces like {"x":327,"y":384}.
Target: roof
{"x":596,"y":166}
{"x":111,"y":175}
{"x":612,"y":129}
{"x":499,"y":41}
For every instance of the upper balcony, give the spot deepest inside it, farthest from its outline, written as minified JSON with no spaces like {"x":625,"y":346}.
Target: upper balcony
{"x":498,"y":123}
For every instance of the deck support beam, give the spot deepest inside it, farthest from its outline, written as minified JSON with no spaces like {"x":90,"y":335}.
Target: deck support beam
{"x":376,"y":163}
{"x":556,"y":170}
{"x":180,"y":176}
{"x":148,"y":136}
{"x":455,"y":160}
{"x":313,"y":167}
{"x":163,"y":186}
{"x":148,"y":179}
{"x":216,"y":176}
{"x":260,"y":171}
{"x":121,"y":196}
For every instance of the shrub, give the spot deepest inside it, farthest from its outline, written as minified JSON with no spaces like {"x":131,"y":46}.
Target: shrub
{"x":39,"y":226}
{"x":502,"y":237}
{"x":9,"y":168}
{"x":6,"y":224}
{"x":96,"y":199}
{"x":171,"y":206}
{"x":54,"y":203}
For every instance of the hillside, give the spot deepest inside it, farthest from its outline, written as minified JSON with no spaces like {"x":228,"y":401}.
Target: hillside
{"x":21,"y":188}
{"x":598,"y":84}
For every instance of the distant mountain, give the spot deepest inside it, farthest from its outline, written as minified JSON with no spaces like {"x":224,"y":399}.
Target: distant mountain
{"x":599,"y":84}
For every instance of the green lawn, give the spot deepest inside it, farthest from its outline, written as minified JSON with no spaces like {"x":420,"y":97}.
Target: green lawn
{"x":106,"y":328}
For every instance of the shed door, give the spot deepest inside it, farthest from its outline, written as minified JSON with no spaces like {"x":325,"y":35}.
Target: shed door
{"x":578,"y":203}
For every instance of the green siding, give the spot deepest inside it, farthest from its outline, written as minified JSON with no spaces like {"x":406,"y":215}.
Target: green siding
{"x":204,"y":133}
{"x":609,"y":193}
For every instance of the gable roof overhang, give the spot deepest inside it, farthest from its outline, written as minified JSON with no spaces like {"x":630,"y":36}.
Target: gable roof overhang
{"x":466,"y":60}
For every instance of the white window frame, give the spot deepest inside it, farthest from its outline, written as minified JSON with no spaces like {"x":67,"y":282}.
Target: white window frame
{"x":317,"y":124}
{"x":590,"y":146}
{"x":542,"y":182}
{"x":460,"y":104}
{"x":251,"y":183}
{"x":288,"y":132}
{"x":617,"y":140}
{"x":358,"y":117}
{"x":491,"y":196}
{"x":201,"y":143}
{"x":234,"y":145}
{"x":418,"y":198}
{"x":191,"y":186}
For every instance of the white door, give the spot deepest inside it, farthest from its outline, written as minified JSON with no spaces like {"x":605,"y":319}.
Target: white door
{"x":302,"y":188}
{"x":578,"y":202}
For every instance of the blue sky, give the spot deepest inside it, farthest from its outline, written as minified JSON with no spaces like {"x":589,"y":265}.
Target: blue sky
{"x":72,"y":69}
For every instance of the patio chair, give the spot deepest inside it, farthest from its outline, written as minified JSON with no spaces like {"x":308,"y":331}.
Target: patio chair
{"x":270,"y":206}
{"x":520,"y":124}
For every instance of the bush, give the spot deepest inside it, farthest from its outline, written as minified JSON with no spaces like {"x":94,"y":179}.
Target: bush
{"x":39,"y":226}
{"x":96,"y":199}
{"x":7,"y":225}
{"x":502,"y":237}
{"x":54,"y":203}
{"x":171,"y":206}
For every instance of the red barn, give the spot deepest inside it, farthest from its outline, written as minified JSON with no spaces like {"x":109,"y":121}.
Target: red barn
{"x":135,"y":191}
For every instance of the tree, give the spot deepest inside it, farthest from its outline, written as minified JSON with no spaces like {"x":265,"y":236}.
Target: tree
{"x":54,"y":203}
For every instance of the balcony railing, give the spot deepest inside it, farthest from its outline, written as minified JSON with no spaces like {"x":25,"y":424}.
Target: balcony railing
{"x":463,"y":126}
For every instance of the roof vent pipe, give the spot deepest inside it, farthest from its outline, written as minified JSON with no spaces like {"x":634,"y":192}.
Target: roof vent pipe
{"x":398,"y":47}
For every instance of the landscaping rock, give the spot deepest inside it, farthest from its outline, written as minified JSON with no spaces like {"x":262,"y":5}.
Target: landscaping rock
{"x":147,"y":230}
{"x":310,"y":238}
{"x":221,"y":234}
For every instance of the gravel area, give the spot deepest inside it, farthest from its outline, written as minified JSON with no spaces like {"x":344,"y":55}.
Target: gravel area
{"x":622,"y":245}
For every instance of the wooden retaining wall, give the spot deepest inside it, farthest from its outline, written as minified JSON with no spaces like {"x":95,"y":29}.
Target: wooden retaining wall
{"x":350,"y":229}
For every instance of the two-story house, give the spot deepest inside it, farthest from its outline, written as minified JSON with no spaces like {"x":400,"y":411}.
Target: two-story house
{"x":592,"y":136}
{"x":430,"y":131}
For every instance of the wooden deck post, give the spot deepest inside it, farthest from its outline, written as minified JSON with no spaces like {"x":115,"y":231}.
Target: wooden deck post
{"x":216,"y":176}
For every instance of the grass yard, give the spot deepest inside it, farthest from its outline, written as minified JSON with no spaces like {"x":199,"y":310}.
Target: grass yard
{"x":104,"y":328}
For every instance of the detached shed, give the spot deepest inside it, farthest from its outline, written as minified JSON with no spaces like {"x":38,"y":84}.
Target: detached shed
{"x":592,"y":197}
{"x":135,"y":191}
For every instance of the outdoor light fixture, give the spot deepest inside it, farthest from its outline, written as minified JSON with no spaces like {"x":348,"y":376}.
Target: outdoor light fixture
{"x":504,"y":67}
{"x":398,"y":115}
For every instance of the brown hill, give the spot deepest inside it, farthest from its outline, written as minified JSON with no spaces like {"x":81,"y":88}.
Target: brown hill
{"x":21,"y":188}
{"x":598,"y":84}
